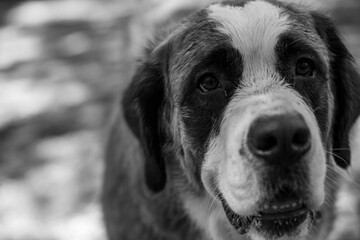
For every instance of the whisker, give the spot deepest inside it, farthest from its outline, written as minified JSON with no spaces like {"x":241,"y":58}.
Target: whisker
{"x":340,"y":149}
{"x":328,"y":201}
{"x":316,"y":109}
{"x":211,"y":204}
{"x":346,"y":176}
{"x":335,"y":155}
{"x":330,"y":178}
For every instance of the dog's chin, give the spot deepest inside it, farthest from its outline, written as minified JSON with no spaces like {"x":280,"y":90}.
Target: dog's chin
{"x":270,"y":223}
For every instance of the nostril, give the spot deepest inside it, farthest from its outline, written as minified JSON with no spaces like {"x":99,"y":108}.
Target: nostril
{"x":301,"y":139}
{"x":265,"y":142}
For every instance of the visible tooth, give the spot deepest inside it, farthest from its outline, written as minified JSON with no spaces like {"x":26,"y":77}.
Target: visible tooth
{"x":274,"y":207}
{"x":266,"y":206}
{"x":287,"y":205}
{"x":282,"y":207}
{"x":294,"y":204}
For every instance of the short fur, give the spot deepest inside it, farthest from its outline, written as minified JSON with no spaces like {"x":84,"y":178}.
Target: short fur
{"x":166,"y":162}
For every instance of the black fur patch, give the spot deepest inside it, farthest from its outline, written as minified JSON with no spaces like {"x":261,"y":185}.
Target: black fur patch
{"x":202,"y":49}
{"x":202,"y":112}
{"x":313,"y":89}
{"x":143,"y":105}
{"x":236,"y":3}
{"x":345,"y":87}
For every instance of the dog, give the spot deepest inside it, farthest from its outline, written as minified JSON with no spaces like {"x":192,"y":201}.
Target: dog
{"x":234,"y":126}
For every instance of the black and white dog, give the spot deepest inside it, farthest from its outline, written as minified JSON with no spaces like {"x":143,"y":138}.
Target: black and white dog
{"x":233,"y":127}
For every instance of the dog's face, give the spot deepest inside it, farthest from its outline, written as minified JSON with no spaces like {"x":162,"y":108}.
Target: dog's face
{"x":254,"y":98}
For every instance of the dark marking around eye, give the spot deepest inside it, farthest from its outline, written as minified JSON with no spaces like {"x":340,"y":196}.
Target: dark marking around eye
{"x":210,"y":86}
{"x":300,"y":66}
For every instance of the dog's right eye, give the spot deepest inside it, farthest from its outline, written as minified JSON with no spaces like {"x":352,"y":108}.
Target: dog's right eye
{"x":304,"y":67}
{"x":208,"y":82}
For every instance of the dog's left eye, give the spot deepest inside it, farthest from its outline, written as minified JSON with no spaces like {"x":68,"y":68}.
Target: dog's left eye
{"x":304,"y":67}
{"x":208,"y":82}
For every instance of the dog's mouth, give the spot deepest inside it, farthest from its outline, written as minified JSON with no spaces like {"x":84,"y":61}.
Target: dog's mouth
{"x":274,"y":219}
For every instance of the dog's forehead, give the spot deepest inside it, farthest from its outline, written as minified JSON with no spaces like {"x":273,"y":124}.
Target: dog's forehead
{"x":253,"y":28}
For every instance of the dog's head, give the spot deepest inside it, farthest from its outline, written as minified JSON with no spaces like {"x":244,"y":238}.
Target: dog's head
{"x":256,"y":99}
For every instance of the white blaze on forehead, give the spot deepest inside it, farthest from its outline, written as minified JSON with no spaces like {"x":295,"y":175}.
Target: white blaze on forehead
{"x":254,"y":30}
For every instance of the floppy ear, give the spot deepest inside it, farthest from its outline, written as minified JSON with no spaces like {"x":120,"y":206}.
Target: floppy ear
{"x":143,"y":104}
{"x":346,"y":82}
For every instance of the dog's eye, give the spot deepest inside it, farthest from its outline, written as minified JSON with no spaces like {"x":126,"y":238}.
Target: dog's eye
{"x":208,"y":82}
{"x":304,"y":67}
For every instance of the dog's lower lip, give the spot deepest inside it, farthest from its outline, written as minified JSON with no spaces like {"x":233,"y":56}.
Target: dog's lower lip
{"x":285,"y":209}
{"x":302,"y":210}
{"x":275,"y":219}
{"x":281,"y":223}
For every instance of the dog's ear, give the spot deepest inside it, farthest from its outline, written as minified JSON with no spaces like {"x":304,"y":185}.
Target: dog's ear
{"x":143,"y":103}
{"x":346,"y":82}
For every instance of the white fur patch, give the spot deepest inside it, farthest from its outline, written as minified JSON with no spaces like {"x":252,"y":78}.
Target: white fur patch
{"x":254,"y":30}
{"x":209,"y":216}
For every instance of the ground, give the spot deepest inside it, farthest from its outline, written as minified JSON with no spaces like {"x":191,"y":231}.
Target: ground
{"x":61,"y":63}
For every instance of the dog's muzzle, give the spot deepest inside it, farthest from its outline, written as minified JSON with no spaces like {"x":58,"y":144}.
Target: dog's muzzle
{"x":279,"y":142}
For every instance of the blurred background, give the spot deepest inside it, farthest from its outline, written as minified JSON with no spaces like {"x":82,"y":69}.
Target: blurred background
{"x":61,"y":64}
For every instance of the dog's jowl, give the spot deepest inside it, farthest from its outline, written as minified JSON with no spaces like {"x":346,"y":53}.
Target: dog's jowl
{"x":233,"y":127}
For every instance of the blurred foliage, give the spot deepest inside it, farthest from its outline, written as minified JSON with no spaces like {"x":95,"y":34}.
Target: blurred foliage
{"x":61,"y":65}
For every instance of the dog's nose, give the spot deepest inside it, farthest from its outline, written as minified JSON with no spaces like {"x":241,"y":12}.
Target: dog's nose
{"x":280,"y":139}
